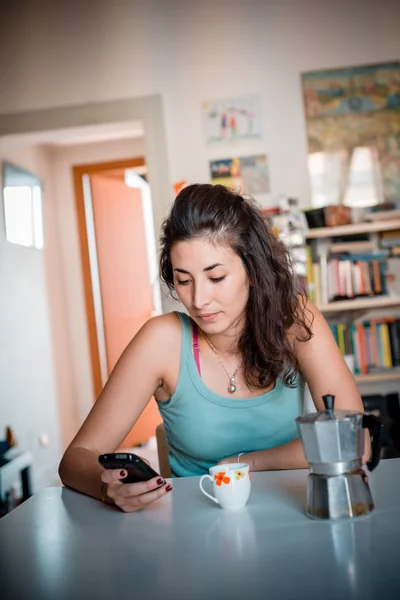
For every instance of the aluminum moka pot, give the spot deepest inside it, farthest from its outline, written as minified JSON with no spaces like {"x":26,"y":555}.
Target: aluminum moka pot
{"x":333,"y":442}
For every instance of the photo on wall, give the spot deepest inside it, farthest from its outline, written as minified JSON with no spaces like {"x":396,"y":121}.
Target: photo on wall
{"x":244,"y":174}
{"x":232,"y":119}
{"x":353,"y":133}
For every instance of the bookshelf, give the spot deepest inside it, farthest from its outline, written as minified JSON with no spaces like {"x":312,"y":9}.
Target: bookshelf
{"x":342,"y":230}
{"x":378,"y":377}
{"x":348,"y":279}
{"x":359,"y":304}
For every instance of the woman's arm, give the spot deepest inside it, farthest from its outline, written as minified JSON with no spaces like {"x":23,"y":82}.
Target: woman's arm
{"x":326,"y":372}
{"x":132,"y":383}
{"x":323,"y":366}
{"x":286,"y":456}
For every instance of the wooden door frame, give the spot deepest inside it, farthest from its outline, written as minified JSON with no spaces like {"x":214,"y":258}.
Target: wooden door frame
{"x":78,"y":172}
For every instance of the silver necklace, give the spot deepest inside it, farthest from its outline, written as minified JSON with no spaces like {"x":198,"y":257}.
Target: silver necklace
{"x":231,"y":386}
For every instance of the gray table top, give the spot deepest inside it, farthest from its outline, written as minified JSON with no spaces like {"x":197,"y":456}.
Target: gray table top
{"x":62,"y":545}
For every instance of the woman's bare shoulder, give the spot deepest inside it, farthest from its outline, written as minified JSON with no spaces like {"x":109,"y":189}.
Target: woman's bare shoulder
{"x":160,"y":332}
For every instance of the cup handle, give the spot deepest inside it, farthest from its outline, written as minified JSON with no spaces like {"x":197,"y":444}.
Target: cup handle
{"x":203,"y":490}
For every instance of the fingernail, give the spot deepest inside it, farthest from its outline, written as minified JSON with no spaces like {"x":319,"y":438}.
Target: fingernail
{"x":168,"y":488}
{"x":160,"y":481}
{"x":122,"y":473}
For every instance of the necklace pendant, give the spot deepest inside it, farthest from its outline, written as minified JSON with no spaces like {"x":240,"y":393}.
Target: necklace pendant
{"x":232,"y":386}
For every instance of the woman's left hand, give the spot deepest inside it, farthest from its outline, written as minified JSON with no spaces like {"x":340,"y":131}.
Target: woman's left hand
{"x":230,"y":460}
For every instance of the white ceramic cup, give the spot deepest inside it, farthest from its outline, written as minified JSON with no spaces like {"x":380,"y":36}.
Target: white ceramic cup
{"x":230,"y":485}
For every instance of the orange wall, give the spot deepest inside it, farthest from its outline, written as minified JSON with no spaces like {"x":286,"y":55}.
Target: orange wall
{"x":124,"y":276}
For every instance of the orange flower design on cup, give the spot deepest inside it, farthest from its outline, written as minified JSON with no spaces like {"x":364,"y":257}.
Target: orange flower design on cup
{"x":221,"y":478}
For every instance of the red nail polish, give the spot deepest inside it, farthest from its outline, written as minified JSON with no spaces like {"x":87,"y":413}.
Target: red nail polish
{"x":160,"y":481}
{"x":168,"y":488}
{"x":122,"y":473}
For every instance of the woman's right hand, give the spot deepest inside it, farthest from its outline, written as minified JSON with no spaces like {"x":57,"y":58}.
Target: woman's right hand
{"x":131,"y":497}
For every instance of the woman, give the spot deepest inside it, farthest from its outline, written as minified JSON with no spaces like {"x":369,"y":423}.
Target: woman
{"x":227,"y":375}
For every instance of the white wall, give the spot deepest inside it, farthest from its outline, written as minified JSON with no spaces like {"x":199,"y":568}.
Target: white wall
{"x":28,"y":389}
{"x":97,"y":50}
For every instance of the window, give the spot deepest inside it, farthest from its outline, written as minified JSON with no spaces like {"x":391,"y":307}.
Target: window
{"x":22,"y":208}
{"x":349,"y":177}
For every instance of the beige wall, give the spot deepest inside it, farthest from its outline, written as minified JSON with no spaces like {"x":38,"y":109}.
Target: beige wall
{"x":190,"y":52}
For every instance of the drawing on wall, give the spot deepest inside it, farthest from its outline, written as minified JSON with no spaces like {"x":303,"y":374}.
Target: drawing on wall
{"x":352,"y":108}
{"x":245,"y":174}
{"x":232,"y":119}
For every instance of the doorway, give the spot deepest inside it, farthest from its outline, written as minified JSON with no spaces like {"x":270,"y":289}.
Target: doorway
{"x":118,"y":257}
{"x":70,"y":363}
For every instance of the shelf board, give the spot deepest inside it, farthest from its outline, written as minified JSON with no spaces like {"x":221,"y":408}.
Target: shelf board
{"x":359,"y":304}
{"x":375,"y":226}
{"x":378,"y":377}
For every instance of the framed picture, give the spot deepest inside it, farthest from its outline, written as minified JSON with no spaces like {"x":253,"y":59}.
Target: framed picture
{"x":353,"y":133}
{"x":245,"y":174}
{"x":232,"y":119}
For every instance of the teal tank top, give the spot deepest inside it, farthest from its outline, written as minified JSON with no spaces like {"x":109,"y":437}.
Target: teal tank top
{"x":202,"y":427}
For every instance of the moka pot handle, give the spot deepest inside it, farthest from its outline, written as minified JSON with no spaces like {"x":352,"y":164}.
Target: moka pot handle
{"x":375,"y":428}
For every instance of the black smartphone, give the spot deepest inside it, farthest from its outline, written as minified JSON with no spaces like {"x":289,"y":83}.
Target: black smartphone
{"x":136,"y":468}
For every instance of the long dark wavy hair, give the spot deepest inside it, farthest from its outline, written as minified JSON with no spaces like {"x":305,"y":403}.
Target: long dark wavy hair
{"x":225,"y":217}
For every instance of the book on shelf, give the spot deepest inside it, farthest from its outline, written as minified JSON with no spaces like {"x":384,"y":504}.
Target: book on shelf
{"x":393,"y":275}
{"x":346,"y":275}
{"x":375,"y":344}
{"x":388,"y":239}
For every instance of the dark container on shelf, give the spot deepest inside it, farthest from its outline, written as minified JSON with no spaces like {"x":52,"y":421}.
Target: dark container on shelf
{"x":328,"y":216}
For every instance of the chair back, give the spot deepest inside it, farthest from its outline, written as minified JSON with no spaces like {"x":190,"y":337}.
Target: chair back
{"x":163,"y":451}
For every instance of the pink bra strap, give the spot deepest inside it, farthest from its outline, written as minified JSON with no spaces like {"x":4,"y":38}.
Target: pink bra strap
{"x":195,"y":344}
